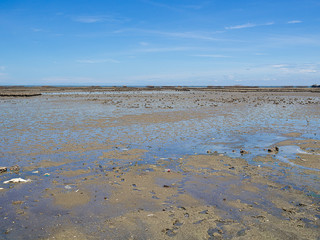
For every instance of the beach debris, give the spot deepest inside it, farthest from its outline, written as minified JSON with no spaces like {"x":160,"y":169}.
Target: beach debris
{"x":243,"y":152}
{"x":35,"y":172}
{"x":168,"y":170}
{"x":166,"y":186}
{"x":274,"y":149}
{"x":209,"y":151}
{"x":15,"y":168}
{"x":46,"y":174}
{"x":17,"y":180}
{"x":1,"y":188}
{"x":3,"y":169}
{"x":67,"y":187}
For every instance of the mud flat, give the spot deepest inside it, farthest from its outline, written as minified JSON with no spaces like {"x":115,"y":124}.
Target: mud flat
{"x":160,"y":163}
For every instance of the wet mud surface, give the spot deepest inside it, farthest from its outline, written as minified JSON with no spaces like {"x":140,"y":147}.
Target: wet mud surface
{"x":160,"y":165}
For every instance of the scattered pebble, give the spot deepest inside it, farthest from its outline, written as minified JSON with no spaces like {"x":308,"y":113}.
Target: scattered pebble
{"x":243,"y":152}
{"x":15,"y":168}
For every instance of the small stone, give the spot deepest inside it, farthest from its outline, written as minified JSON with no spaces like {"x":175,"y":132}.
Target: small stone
{"x":243,"y":152}
{"x":15,"y":168}
{"x":3,"y":169}
{"x":17,"y":202}
{"x":274,"y":149}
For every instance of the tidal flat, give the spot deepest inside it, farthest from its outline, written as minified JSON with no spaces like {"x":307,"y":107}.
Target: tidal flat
{"x":160,"y":164}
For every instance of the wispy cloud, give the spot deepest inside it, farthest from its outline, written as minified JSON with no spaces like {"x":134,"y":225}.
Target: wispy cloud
{"x":297,"y":68}
{"x":36,"y":29}
{"x":97,"y":19}
{"x":143,"y":43}
{"x":248,"y":25}
{"x":93,"y":61}
{"x":158,"y":4}
{"x":164,"y":49}
{"x":2,"y":68}
{"x":211,"y":56}
{"x":279,"y":66}
{"x":286,"y":40}
{"x":185,"y":35}
{"x":307,"y":71}
{"x":197,"y":6}
{"x":294,"y":21}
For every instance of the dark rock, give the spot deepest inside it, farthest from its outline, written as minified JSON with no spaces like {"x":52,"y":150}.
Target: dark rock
{"x":3,"y":169}
{"x":243,"y":152}
{"x":274,"y":149}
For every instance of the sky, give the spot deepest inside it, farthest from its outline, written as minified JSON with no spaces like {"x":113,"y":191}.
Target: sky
{"x":160,"y":42}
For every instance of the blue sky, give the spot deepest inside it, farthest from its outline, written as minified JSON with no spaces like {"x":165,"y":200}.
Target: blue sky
{"x":154,"y":42}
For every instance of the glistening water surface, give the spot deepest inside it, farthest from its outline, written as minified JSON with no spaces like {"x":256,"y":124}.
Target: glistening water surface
{"x":51,"y":135}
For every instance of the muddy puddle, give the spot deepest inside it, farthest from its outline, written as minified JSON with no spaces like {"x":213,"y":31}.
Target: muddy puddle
{"x":160,"y":165}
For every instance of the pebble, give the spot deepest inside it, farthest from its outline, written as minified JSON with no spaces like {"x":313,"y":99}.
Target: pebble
{"x":3,"y":169}
{"x":15,"y":168}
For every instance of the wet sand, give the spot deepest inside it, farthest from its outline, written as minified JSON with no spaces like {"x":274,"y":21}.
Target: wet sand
{"x":160,"y":163}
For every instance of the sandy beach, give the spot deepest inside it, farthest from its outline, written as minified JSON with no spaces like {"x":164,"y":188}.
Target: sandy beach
{"x":160,"y":163}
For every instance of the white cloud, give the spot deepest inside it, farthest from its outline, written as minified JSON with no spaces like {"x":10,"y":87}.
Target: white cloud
{"x":97,"y":18}
{"x":88,"y":19}
{"x":279,"y":65}
{"x":178,"y":8}
{"x":297,"y":68}
{"x":92,"y":61}
{"x":286,"y":40}
{"x":248,"y":25}
{"x":211,"y":56}
{"x":185,"y":35}
{"x":36,"y":29}
{"x":143,"y":43}
{"x":294,"y":21}
{"x":166,"y":49}
{"x":307,"y":71}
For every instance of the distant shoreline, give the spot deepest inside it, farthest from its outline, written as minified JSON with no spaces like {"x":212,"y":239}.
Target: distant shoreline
{"x":30,"y":91}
